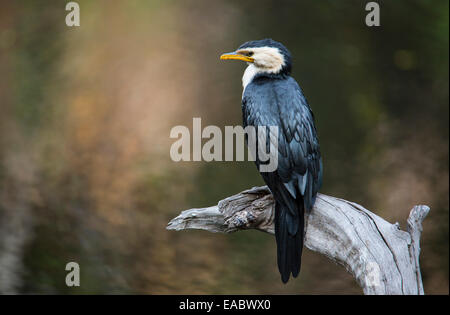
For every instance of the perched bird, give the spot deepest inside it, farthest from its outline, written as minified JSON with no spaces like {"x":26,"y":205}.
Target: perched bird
{"x":271,"y":97}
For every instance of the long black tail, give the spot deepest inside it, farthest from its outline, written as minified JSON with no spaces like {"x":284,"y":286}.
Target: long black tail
{"x":289,"y":226}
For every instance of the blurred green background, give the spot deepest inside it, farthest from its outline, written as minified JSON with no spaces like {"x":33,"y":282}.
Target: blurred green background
{"x":86,"y":112}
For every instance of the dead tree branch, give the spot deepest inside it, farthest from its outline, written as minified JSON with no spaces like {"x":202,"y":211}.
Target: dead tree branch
{"x":382,"y":258}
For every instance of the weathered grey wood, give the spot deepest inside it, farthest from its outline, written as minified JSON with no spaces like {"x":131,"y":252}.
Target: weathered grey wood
{"x":382,"y":258}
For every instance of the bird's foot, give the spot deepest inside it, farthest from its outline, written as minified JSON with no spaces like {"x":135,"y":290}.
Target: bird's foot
{"x":241,"y":220}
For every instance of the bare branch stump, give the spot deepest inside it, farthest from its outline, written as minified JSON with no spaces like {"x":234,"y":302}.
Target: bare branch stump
{"x":382,"y":258}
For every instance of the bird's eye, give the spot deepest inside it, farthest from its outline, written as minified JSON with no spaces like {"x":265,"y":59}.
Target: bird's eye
{"x":249,"y":54}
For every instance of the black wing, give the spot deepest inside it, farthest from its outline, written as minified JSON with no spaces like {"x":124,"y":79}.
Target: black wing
{"x":281,"y":103}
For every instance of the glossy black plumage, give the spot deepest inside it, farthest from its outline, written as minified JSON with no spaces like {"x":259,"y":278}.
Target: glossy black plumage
{"x":277,"y":100}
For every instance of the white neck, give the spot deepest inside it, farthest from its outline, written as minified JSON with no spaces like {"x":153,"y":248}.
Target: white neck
{"x":248,"y":76}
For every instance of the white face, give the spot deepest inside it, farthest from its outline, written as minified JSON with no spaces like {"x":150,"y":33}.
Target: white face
{"x":265,"y":59}
{"x":260,"y":60}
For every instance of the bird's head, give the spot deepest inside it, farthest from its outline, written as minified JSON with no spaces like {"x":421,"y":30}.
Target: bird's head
{"x":264,"y":56}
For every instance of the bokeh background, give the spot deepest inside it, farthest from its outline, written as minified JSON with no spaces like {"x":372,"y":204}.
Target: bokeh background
{"x":86,"y":112}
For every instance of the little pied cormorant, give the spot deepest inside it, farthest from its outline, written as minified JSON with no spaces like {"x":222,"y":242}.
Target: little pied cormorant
{"x":271,"y":97}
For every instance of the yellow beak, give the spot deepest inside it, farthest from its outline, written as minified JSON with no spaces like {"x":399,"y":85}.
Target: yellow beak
{"x":236,"y":56}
